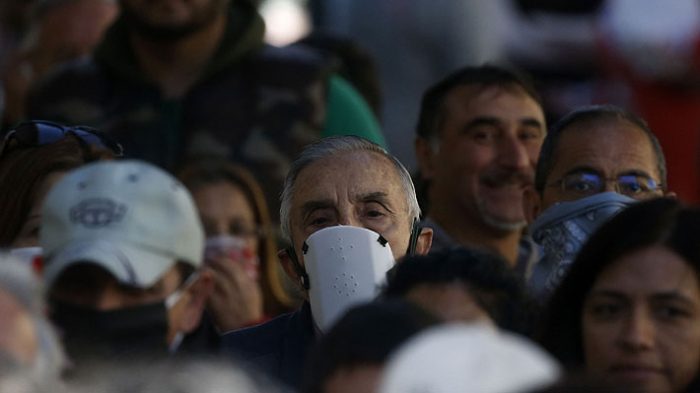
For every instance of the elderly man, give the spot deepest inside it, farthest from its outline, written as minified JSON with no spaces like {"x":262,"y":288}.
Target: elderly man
{"x":595,"y":161}
{"x":335,"y":187}
{"x":479,"y":134}
{"x":123,"y":248}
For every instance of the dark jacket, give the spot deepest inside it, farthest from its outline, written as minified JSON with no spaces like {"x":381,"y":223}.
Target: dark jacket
{"x":254,"y":104}
{"x":277,"y":348}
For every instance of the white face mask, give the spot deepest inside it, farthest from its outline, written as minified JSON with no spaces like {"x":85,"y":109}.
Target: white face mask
{"x":346,"y":266}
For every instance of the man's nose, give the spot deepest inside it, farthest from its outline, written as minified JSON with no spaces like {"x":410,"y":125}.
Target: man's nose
{"x":349,"y":218}
{"x":610,"y":185}
{"x":513,"y":153}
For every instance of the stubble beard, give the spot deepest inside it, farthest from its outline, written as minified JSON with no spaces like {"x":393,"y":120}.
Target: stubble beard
{"x":503,"y":179}
{"x":161,"y":32}
{"x":497,"y":223}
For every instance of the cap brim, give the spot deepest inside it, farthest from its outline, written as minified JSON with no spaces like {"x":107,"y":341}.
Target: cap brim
{"x":130,"y":265}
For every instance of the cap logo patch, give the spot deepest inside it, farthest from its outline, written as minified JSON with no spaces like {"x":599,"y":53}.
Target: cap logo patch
{"x":97,"y":213}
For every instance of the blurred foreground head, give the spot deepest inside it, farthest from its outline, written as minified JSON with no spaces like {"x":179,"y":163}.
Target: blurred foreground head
{"x":29,"y":348}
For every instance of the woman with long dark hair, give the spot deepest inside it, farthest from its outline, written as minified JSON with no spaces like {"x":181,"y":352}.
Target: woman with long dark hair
{"x":628,"y":311}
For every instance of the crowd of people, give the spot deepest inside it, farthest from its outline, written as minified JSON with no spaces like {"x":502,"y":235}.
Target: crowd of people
{"x":184,"y":208}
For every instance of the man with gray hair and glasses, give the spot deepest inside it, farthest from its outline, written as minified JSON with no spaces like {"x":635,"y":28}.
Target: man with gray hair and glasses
{"x":348,"y":211}
{"x":594,"y":162}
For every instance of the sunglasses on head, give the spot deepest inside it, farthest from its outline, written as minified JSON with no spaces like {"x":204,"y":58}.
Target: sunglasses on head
{"x":40,"y":132}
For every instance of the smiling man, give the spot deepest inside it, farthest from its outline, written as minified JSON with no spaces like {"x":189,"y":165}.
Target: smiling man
{"x":479,"y":135}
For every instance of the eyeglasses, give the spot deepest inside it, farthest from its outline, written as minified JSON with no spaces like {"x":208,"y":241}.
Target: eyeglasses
{"x":583,"y":184}
{"x":40,"y":132}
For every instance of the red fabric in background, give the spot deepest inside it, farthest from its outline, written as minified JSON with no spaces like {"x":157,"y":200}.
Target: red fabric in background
{"x":674,"y":116}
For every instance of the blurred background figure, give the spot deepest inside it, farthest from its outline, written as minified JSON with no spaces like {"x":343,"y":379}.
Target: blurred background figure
{"x":34,"y":156}
{"x":58,"y":31}
{"x":354,"y":63}
{"x":14,"y":18}
{"x":467,"y":285}
{"x":651,"y":53}
{"x":29,"y":347}
{"x":187,"y":80}
{"x":415,"y":43}
{"x":628,"y":311}
{"x":241,"y":246}
{"x":469,"y":358}
{"x":555,"y":42}
{"x":351,"y":356}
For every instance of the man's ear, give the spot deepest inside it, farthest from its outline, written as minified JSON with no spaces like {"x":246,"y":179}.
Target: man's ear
{"x":289,"y":267}
{"x":425,"y":240}
{"x":196,"y":296}
{"x":532,"y":204}
{"x":425,"y":157}
{"x":287,"y":264}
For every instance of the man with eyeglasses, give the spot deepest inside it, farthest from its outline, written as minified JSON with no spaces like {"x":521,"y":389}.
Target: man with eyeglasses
{"x":594,"y":162}
{"x":123,"y":249}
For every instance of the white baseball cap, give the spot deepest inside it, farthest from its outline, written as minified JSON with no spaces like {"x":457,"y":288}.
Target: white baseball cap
{"x":129,"y":217}
{"x":473,"y":357}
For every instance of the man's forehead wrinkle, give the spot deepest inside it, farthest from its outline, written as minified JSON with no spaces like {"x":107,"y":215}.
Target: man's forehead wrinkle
{"x":310,"y":206}
{"x":531,"y":122}
{"x":632,"y":159}
{"x":368,"y":196}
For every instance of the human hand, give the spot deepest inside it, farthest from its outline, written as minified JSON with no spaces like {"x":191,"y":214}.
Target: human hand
{"x":237,"y":297}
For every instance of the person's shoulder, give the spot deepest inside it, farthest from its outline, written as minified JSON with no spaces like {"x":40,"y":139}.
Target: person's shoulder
{"x":277,"y":348}
{"x":259,"y":339}
{"x":84,"y":69}
{"x":68,"y":85}
{"x":305,"y":64}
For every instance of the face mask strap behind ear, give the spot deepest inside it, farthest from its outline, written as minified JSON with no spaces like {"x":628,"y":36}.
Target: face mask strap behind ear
{"x":300,"y":271}
{"x":413,"y":241}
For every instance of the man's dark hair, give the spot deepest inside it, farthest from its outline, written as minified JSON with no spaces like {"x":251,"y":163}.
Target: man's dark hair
{"x":365,"y":336}
{"x":496,"y":288}
{"x":589,"y":115}
{"x":486,"y":76}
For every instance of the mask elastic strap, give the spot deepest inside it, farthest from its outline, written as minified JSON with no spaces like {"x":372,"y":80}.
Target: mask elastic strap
{"x":300,"y":271}
{"x":413,"y":240}
{"x":174,"y":297}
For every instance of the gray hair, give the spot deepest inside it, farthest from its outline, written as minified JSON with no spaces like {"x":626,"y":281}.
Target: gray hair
{"x":329,"y":147}
{"x":19,"y":281}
